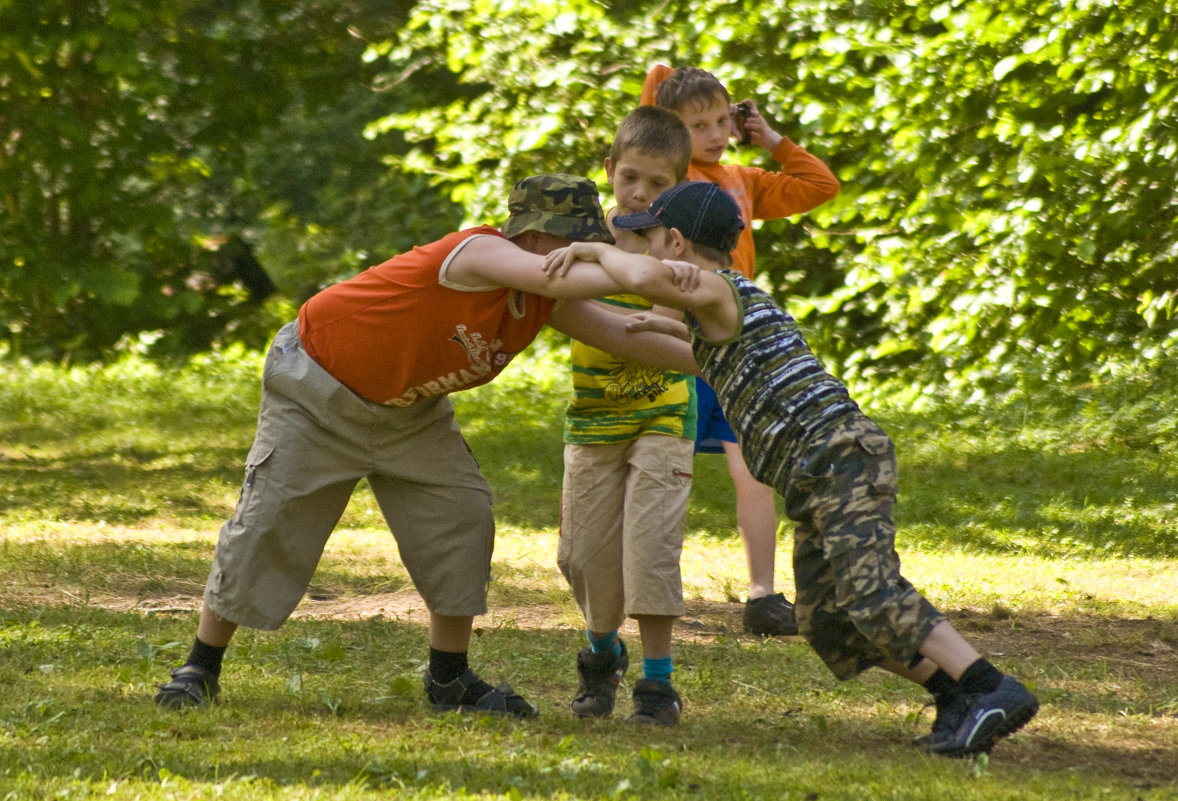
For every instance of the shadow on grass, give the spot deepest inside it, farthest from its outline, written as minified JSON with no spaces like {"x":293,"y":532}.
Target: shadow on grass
{"x":160,"y":568}
{"x":974,"y":488}
{"x":1005,"y":499}
{"x":757,"y":714}
{"x":123,"y":486}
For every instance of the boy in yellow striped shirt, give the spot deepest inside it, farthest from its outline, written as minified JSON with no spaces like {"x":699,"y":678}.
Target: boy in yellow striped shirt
{"x":629,"y":443}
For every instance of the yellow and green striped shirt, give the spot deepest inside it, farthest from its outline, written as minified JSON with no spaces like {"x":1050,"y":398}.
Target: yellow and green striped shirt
{"x":615,"y":400}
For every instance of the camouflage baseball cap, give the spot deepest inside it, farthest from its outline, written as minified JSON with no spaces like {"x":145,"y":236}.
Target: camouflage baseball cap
{"x":558,"y":204}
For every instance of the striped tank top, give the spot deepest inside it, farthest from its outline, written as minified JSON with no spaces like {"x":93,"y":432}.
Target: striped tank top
{"x":773,"y":390}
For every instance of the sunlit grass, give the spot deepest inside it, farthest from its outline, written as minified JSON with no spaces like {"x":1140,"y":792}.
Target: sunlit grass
{"x":1042,"y":525}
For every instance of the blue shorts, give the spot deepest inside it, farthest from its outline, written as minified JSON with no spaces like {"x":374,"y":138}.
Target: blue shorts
{"x":713,"y":429}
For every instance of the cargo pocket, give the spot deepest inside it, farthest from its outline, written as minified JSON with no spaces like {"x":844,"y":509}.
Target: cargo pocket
{"x":879,"y":464}
{"x":813,"y":468}
{"x":256,"y":465}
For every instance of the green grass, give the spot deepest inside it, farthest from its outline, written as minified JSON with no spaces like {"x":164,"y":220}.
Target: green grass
{"x":1043,"y":522}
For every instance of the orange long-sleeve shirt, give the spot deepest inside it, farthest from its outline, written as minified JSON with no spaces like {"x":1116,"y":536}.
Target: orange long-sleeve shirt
{"x":802,"y":183}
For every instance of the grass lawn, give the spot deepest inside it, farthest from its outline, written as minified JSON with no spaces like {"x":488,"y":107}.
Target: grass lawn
{"x":1043,"y":523}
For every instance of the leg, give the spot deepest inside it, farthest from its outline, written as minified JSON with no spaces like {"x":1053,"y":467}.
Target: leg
{"x":656,"y":512}
{"x":590,"y":546}
{"x":299,"y":476}
{"x":918,"y":674}
{"x":766,"y":612}
{"x":756,"y":521}
{"x":655,"y":699}
{"x":655,"y":631}
{"x":756,"y":514}
{"x":985,"y":704}
{"x":948,"y":650}
{"x":213,"y":629}
{"x":975,"y":703}
{"x":438,"y":507}
{"x":197,"y":681}
{"x":448,"y":633}
{"x":847,"y":572}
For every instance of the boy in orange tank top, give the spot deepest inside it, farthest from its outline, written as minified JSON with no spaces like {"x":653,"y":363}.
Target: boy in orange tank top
{"x":357,"y":388}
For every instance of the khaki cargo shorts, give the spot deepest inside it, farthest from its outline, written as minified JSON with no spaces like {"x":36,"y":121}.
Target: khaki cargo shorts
{"x":623,"y":509}
{"x":315,"y":440}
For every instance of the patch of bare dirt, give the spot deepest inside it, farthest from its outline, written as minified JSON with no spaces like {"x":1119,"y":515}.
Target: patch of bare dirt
{"x":704,"y":621}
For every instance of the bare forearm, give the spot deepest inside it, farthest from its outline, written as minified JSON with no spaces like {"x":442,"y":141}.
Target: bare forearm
{"x":657,"y":349}
{"x":609,"y":331}
{"x":641,"y":275}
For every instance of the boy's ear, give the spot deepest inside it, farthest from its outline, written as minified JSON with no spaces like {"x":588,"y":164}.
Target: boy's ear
{"x":609,"y":171}
{"x":679,"y":243}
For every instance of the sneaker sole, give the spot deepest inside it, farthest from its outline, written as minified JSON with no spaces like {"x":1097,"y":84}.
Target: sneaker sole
{"x":1021,"y":717}
{"x":591,"y":713}
{"x":471,"y":709}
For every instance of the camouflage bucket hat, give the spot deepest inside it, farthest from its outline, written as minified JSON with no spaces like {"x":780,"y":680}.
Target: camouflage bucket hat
{"x":557,"y":204}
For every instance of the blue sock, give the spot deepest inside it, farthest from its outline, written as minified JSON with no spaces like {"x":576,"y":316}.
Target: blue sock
{"x":608,"y":642}
{"x":657,"y":669}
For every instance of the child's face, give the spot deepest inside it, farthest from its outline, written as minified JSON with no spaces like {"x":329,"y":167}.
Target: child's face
{"x":710,"y":126}
{"x":638,"y":177}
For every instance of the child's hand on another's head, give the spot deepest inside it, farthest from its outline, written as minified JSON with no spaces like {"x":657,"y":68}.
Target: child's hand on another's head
{"x":684,"y":274}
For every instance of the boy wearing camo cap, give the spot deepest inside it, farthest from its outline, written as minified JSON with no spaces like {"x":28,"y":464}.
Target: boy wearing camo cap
{"x":357,"y":387}
{"x":804,"y":436}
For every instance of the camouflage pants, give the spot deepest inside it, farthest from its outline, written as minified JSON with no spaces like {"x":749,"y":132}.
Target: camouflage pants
{"x":853,"y":606}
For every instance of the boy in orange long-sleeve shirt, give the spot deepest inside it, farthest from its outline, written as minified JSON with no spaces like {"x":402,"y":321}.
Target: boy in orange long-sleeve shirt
{"x":802,"y":183}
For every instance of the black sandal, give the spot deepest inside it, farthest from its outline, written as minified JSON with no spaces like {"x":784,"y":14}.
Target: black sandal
{"x":191,"y":685}
{"x":455,"y":696}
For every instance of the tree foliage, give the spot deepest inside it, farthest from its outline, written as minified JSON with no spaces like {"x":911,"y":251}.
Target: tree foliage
{"x":140,"y":137}
{"x":1012,"y":191}
{"x":1008,"y":182}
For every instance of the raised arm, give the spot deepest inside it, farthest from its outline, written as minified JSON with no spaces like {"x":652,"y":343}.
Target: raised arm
{"x":636,"y":273}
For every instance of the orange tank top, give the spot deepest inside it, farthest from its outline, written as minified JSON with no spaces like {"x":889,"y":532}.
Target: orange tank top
{"x":397,"y":332}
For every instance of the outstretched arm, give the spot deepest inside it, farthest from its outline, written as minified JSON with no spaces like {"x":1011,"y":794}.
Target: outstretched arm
{"x":653,"y":321}
{"x":489,"y":262}
{"x":615,"y":333}
{"x":707,"y":295}
{"x":640,"y":274}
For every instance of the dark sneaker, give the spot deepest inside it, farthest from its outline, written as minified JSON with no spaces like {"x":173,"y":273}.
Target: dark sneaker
{"x":988,"y":717}
{"x":191,"y":685}
{"x":655,"y":702}
{"x":949,"y":717}
{"x":771,"y":616}
{"x":469,"y":693}
{"x":598,"y":676}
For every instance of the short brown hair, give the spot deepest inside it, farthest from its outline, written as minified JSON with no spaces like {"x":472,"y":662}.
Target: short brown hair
{"x":688,"y":86}
{"x":654,"y":130}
